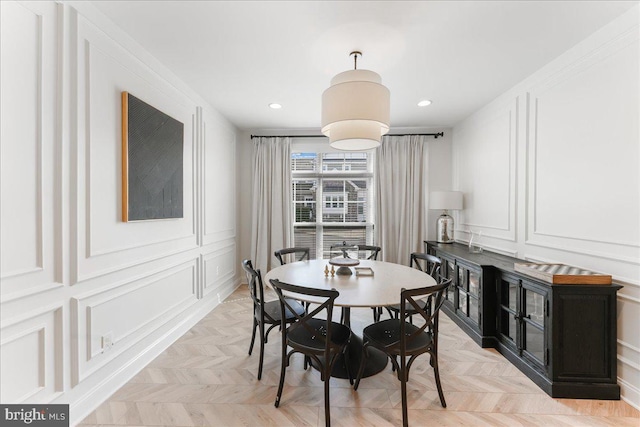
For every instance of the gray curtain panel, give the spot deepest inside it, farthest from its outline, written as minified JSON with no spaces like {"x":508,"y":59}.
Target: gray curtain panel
{"x":272,"y":211}
{"x":401,"y":200}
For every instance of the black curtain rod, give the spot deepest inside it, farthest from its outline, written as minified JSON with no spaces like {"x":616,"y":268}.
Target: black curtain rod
{"x":435,"y":135}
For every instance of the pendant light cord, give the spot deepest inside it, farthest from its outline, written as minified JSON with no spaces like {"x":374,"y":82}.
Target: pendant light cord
{"x":355,"y":54}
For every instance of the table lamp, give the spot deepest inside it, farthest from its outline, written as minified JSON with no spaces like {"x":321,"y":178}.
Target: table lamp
{"x":445,"y":200}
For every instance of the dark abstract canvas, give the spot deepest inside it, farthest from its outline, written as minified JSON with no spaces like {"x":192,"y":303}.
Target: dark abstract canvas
{"x":152,"y":155}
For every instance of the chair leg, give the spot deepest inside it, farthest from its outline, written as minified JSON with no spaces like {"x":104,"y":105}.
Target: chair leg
{"x":403,"y":389}
{"x":262,"y":341}
{"x":327,"y":378}
{"x":405,"y":412}
{"x":283,"y":368}
{"x":345,"y":356}
{"x":363,"y":362}
{"x":436,"y":374}
{"x":253,"y":336}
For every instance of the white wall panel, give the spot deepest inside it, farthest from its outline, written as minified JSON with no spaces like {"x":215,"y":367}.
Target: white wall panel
{"x":28,"y":159}
{"x":105,"y":243}
{"x":485,"y":172}
{"x":30,"y":357}
{"x":218,"y":152}
{"x":219,"y":268}
{"x":127,"y":312}
{"x":584,"y":145}
{"x":25,"y":351}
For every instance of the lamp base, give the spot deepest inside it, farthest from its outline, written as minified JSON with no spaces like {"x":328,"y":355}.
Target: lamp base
{"x":444,"y":228}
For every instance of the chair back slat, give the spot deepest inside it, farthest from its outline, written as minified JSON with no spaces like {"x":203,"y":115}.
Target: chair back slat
{"x":348,"y":251}
{"x":429,"y":311}
{"x":373,"y":251}
{"x":302,"y":320}
{"x":298,"y":254}
{"x":425,"y":262}
{"x":256,"y":288}
{"x":254,"y":280}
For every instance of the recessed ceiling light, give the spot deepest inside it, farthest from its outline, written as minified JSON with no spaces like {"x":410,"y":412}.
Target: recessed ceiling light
{"x":424,"y":103}
{"x":275,"y":106}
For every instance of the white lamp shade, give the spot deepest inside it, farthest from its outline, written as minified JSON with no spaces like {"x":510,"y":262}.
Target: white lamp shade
{"x":355,"y":110}
{"x":449,"y":200}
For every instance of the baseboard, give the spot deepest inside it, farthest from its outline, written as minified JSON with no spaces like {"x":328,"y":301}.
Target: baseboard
{"x":99,"y":392}
{"x":629,"y":393}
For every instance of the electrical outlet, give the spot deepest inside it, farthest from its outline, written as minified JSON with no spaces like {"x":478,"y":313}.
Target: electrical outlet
{"x":107,"y":341}
{"x":217,"y":270}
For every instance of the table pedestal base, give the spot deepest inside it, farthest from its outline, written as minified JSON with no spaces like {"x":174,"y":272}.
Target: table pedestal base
{"x":376,"y":361}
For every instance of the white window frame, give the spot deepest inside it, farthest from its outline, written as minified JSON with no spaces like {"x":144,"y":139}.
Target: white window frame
{"x":321,"y":146}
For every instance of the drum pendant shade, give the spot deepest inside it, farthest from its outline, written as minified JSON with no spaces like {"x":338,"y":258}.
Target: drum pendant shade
{"x":355,"y":110}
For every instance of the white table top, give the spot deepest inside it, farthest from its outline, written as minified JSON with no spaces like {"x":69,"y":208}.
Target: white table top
{"x":383,"y":288}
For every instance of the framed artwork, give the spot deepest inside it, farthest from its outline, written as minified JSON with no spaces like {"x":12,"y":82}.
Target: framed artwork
{"x":152,"y":156}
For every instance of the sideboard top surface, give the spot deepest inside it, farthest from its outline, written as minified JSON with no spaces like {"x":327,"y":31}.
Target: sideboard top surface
{"x":504,"y":263}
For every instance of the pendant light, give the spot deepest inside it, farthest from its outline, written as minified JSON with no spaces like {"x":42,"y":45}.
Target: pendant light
{"x":355,"y":109}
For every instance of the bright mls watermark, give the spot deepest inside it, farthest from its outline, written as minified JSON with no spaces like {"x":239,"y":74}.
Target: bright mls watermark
{"x":34,"y":415}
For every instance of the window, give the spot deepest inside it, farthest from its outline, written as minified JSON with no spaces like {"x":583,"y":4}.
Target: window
{"x":332,"y":198}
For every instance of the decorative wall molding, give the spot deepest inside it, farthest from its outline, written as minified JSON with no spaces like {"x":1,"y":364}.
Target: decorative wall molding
{"x":35,"y":290}
{"x":91,"y":321}
{"x":213,"y":276}
{"x":629,"y":393}
{"x":499,"y":123}
{"x":37,"y":338}
{"x":613,"y":50}
{"x":29,"y":242}
{"x":624,"y":296}
{"x":577,"y":250}
{"x":143,"y":353}
{"x":218,"y":153}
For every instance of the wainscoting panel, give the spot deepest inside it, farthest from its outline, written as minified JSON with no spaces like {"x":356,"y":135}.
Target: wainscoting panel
{"x":218,"y":152}
{"x":28,"y":174}
{"x":110,"y":321}
{"x":485,"y":171}
{"x":105,"y":243}
{"x":219,"y":268}
{"x":31,"y":357}
{"x":576,"y":195}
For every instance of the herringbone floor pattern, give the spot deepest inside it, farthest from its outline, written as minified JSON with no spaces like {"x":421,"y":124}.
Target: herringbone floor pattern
{"x":206,"y":378}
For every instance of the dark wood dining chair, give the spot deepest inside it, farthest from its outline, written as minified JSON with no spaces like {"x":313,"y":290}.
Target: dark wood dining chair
{"x":373,"y":251}
{"x":348,"y":250}
{"x":318,"y":339}
{"x":424,"y":262}
{"x":400,"y":339}
{"x":265,"y":312}
{"x":299,"y":254}
{"x":345,"y":249}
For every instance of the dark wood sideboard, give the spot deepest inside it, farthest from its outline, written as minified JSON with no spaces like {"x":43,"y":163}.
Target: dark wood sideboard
{"x":563,"y":337}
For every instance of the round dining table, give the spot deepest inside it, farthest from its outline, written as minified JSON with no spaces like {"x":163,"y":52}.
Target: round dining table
{"x":372,"y":284}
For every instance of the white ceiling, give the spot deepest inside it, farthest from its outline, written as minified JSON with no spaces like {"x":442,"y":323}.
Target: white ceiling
{"x":242,"y":55}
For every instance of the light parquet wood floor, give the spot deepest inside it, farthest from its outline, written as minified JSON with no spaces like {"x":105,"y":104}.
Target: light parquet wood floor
{"x":206,"y":378}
